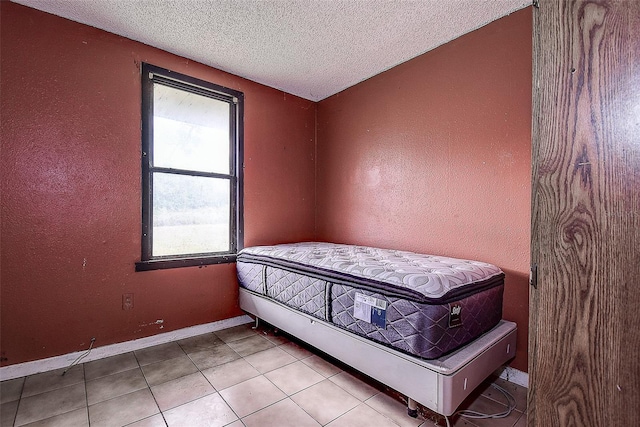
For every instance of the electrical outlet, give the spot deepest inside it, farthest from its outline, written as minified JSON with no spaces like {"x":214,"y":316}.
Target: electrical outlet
{"x":127,"y":301}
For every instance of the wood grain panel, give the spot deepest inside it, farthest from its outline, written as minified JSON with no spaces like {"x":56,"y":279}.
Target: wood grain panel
{"x":584,"y":367}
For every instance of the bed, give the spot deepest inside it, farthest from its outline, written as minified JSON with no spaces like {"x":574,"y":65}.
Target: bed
{"x":428,"y":326}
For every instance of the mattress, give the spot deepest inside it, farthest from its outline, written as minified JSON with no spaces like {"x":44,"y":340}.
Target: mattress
{"x":422,"y":305}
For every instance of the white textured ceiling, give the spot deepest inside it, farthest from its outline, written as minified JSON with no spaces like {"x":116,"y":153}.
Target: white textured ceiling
{"x":309,"y":48}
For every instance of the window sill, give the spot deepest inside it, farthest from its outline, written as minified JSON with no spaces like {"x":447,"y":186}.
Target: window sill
{"x":160,"y":264}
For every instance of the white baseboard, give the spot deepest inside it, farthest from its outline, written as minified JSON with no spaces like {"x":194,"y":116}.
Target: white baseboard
{"x":513,"y":376}
{"x":29,"y":368}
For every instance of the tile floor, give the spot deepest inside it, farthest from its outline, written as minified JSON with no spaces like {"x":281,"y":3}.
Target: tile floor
{"x":235,"y":377}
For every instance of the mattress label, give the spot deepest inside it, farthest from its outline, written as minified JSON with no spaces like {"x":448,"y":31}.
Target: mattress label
{"x":455,"y":315}
{"x":371,"y":310}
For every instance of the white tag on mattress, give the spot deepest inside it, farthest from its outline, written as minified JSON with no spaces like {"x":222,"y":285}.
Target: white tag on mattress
{"x":361,"y":310}
{"x":370,"y":309}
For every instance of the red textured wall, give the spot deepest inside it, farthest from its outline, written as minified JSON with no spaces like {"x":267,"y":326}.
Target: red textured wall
{"x":434,"y":156}
{"x":71,"y":190}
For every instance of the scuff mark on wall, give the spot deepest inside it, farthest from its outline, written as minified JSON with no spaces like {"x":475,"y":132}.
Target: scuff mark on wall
{"x":157,"y":322}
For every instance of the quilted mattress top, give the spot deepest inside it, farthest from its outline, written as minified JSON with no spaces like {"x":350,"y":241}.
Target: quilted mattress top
{"x":420,"y":277}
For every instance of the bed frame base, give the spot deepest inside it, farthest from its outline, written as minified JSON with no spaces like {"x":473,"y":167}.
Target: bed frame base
{"x":439,"y":384}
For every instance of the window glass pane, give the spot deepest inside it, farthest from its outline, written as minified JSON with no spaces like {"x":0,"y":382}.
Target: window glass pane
{"x":190,"y":214}
{"x":190,"y":131}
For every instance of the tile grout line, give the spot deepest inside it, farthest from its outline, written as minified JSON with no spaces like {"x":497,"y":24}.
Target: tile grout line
{"x":149,"y":388}
{"x":263,"y":374}
{"x":286,"y":396}
{"x":39,"y":394}
{"x":217,"y":391}
{"x":86,"y":392}
{"x":306,"y":388}
{"x":15,"y":416}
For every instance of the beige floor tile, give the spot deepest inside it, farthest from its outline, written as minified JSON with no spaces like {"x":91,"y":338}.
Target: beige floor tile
{"x":276,"y":338}
{"x":252,"y":395}
{"x":281,"y":414}
{"x":159,"y":353}
{"x":362,"y":416}
{"x":455,"y":421}
{"x":153,"y":421}
{"x":519,"y":393}
{"x":123,"y":410}
{"x":485,"y":405}
{"x":105,"y":388}
{"x":268,"y":360}
{"x":77,"y":418}
{"x":354,"y":386}
{"x":8,"y":412}
{"x":321,"y":366}
{"x":394,"y":410}
{"x":167,"y":370}
{"x":438,"y":420}
{"x":199,"y":343}
{"x":296,"y":350}
{"x":294,"y":377}
{"x":208,"y":411}
{"x":250,"y":345}
{"x":52,"y":380}
{"x":325,"y":401}
{"x":237,"y":332}
{"x":11,"y":390}
{"x":522,"y":422}
{"x":49,"y":404}
{"x":182,"y":390}
{"x":236,"y":424}
{"x":110,"y":365}
{"x":229,"y":374}
{"x":215,"y":356}
{"x":497,"y":422}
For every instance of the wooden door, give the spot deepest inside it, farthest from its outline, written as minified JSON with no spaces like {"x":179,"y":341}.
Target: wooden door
{"x":584,"y":360}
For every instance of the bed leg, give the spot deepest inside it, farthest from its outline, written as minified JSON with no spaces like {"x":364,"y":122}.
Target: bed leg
{"x":256,"y":325}
{"x":412,"y":408}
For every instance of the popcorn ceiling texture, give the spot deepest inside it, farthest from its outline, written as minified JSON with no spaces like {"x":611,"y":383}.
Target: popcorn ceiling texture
{"x":309,"y":48}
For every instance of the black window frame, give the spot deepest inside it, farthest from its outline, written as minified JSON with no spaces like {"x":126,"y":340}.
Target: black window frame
{"x":151,"y":75}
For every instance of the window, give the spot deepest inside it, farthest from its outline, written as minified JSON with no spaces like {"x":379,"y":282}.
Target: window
{"x":191,"y":171}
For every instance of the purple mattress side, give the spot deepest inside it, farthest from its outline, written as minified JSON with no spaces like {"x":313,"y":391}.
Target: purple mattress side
{"x":250,"y":276}
{"x":420,"y":329}
{"x":301,"y":292}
